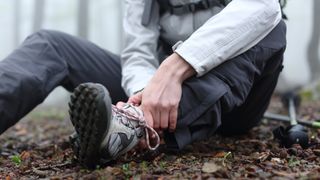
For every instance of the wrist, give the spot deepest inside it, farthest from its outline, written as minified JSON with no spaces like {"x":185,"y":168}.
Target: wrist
{"x":177,"y":68}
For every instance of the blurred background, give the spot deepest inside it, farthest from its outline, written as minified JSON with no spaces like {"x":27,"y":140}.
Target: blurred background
{"x":100,"y":22}
{"x":96,"y":20}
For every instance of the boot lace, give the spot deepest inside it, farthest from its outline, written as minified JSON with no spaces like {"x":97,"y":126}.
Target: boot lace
{"x":141,"y":123}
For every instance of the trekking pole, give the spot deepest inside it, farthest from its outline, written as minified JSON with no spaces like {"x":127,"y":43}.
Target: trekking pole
{"x":282,"y":118}
{"x":295,"y":133}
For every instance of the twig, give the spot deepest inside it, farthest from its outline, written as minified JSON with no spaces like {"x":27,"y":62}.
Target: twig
{"x":40,"y":172}
{"x":55,"y":166}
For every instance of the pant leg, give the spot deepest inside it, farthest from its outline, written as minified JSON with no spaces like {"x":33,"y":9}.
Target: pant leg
{"x":217,"y":98}
{"x":46,"y":60}
{"x":241,"y":119}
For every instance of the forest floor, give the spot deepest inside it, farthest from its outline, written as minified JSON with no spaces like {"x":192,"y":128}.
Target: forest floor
{"x":38,"y":147}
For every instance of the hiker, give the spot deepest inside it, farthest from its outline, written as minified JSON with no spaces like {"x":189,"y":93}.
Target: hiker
{"x":188,"y":69}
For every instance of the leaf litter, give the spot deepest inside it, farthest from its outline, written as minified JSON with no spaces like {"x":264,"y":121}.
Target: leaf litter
{"x":39,"y":148}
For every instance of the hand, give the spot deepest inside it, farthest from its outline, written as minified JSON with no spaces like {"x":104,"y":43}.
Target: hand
{"x":160,"y":98}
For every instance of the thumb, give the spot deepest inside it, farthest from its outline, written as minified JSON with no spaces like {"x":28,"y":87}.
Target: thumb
{"x":136,"y":99}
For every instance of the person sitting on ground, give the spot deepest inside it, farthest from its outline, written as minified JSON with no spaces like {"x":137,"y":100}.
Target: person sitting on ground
{"x":189,"y":69}
{"x":218,"y":76}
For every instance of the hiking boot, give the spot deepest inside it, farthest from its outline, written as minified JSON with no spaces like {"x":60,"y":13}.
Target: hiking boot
{"x":104,"y":131}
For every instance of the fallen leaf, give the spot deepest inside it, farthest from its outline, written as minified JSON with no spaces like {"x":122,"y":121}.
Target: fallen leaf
{"x":116,"y":171}
{"x":25,"y":155}
{"x":210,"y":167}
{"x":220,"y":155}
{"x":284,"y":174}
{"x":277,"y":160}
{"x":260,"y":156}
{"x":316,"y":152}
{"x":264,"y":156}
{"x":22,"y":132}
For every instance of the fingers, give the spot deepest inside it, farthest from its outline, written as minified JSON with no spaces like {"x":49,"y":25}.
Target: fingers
{"x":135,"y":99}
{"x":156,"y":119}
{"x":168,"y":117}
{"x":120,"y":104}
{"x":164,"y":119}
{"x":173,"y":119}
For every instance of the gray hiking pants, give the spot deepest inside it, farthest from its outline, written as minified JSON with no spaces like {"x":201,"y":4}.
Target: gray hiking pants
{"x":230,"y":98}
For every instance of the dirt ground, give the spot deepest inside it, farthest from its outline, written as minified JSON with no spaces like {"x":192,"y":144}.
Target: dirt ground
{"x":38,"y":147}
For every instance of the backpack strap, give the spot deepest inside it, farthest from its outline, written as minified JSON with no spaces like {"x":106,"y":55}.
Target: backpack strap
{"x":146,"y":16}
{"x":283,"y":3}
{"x":189,"y":7}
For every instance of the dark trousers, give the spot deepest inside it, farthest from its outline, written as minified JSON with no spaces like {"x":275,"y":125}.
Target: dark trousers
{"x":230,"y":98}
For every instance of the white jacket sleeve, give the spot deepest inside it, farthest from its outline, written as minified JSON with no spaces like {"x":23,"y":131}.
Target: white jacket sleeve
{"x":139,"y":57}
{"x":237,"y":28}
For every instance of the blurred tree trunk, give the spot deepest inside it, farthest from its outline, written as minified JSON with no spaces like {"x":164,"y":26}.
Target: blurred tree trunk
{"x":313,"y":49}
{"x":83,"y":18}
{"x":38,"y":15}
{"x":17,"y":22}
{"x":121,"y":5}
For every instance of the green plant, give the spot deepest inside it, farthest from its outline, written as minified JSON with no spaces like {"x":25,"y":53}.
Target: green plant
{"x":162,"y":164}
{"x":144,"y":166}
{"x":225,"y":157}
{"x":16,"y":159}
{"x":126,"y":170}
{"x":293,"y":161}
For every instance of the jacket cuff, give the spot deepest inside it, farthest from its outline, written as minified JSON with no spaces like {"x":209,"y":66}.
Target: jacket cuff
{"x":189,"y":57}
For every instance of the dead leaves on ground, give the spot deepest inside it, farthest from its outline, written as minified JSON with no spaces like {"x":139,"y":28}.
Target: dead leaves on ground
{"x":44,"y":152}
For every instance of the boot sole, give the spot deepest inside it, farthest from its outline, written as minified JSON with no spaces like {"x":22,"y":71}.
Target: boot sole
{"x":90,"y":114}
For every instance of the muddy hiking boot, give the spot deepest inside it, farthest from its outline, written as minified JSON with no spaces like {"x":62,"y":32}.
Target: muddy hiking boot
{"x":103,"y":131}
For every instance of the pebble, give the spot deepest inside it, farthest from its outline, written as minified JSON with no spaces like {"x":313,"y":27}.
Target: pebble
{"x":283,"y":153}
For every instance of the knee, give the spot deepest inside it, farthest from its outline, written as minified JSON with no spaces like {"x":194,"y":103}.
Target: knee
{"x":45,"y":33}
{"x":44,"y":36}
